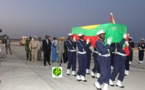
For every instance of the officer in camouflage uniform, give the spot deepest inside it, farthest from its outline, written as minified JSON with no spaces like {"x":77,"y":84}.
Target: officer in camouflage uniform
{"x":28,"y":52}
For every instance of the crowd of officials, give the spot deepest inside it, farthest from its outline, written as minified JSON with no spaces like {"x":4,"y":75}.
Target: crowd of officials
{"x":110,"y":59}
{"x":55,"y":49}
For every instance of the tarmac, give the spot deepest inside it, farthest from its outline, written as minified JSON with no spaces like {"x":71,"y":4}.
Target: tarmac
{"x":17,"y":73}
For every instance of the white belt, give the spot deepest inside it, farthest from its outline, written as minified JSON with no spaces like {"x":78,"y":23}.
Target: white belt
{"x":106,"y":55}
{"x":140,"y":48}
{"x":121,"y":54}
{"x":81,"y":52}
{"x":72,"y":50}
{"x":95,"y":52}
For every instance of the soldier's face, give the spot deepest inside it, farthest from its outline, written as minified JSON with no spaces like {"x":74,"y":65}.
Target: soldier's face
{"x":71,"y":37}
{"x":81,"y":37}
{"x":142,"y":41}
{"x":102,"y":36}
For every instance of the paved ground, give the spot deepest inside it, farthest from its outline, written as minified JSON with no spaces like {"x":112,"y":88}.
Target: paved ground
{"x":16,"y":73}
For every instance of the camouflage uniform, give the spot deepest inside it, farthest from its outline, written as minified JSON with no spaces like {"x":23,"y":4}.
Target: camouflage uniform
{"x":28,"y":51}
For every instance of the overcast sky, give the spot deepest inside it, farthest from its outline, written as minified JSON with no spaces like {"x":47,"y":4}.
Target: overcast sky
{"x":57,"y":17}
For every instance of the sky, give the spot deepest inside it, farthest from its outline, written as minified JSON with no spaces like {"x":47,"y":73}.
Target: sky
{"x":57,"y":17}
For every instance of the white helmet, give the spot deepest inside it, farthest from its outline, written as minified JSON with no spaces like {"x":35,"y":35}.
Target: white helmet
{"x":100,"y":32}
{"x":80,"y":34}
{"x":142,"y":39}
{"x":70,"y":34}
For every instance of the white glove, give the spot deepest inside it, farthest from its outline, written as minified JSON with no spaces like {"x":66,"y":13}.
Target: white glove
{"x":74,"y":39}
{"x":109,"y":40}
{"x":139,"y":48}
{"x":124,"y":36}
{"x":87,"y":41}
{"x":127,"y":43}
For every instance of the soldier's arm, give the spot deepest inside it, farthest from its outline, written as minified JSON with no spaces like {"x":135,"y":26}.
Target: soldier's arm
{"x":30,"y":45}
{"x":102,"y":47}
{"x":122,"y":42}
{"x":68,"y":44}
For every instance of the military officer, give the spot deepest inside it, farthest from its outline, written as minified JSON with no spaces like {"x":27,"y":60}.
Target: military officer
{"x":34,"y":47}
{"x":104,"y":60}
{"x":141,"y":47}
{"x":119,"y":64}
{"x":28,"y":51}
{"x":82,"y":57}
{"x":71,"y":50}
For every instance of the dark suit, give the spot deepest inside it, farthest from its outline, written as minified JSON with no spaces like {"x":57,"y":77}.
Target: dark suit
{"x":141,"y":47}
{"x":131,"y":44}
{"x":46,"y":47}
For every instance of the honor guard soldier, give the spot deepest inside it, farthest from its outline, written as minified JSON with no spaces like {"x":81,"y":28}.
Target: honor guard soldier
{"x":88,"y":60}
{"x":96,"y":69}
{"x":71,"y":50}
{"x":130,"y":57}
{"x":104,"y":60}
{"x":141,"y":47}
{"x":82,"y":57}
{"x":127,"y":65}
{"x":131,"y":44}
{"x":119,"y":64}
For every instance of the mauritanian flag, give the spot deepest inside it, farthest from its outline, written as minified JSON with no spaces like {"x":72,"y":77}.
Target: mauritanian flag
{"x":112,"y":18}
{"x":89,"y":32}
{"x":125,"y":47}
{"x":115,"y":31}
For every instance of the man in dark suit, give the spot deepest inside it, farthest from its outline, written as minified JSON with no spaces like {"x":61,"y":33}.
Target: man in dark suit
{"x":46,"y":47}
